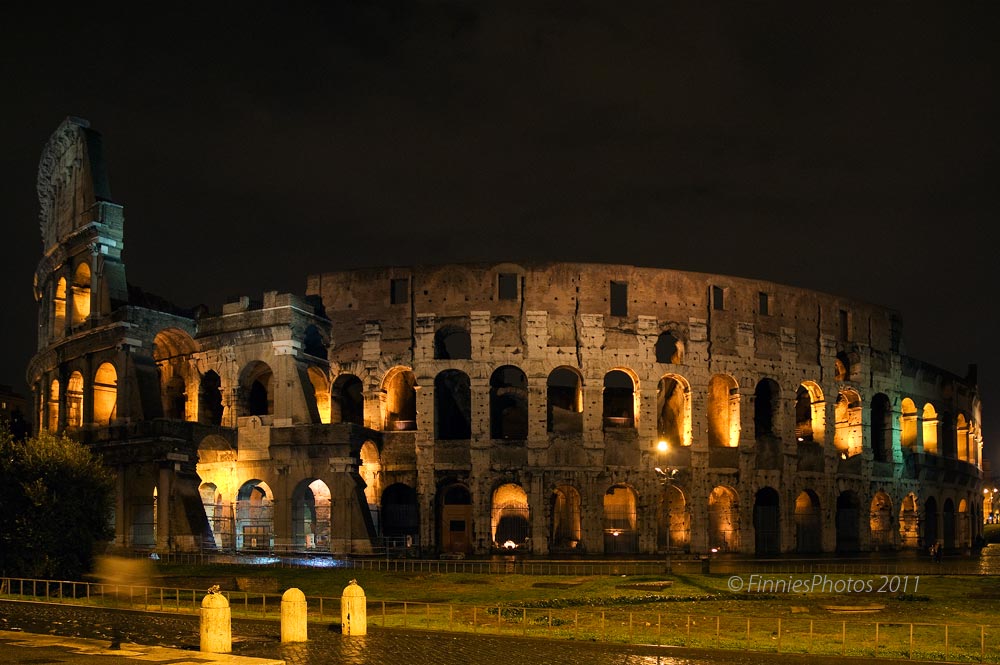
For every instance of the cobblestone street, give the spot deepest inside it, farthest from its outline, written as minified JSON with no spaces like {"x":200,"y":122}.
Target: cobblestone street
{"x":260,"y":639}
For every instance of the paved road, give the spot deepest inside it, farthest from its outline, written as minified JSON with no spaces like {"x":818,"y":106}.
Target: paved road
{"x":54,"y":634}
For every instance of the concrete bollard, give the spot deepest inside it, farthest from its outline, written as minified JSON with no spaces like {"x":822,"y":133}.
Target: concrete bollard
{"x":216,"y":624}
{"x":353,"y":610}
{"x":293,"y":616}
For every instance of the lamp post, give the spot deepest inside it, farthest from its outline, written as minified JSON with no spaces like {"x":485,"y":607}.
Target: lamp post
{"x":666,"y":475}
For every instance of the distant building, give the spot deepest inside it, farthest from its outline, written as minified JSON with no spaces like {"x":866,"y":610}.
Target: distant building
{"x":13,"y":410}
{"x":501,"y":407}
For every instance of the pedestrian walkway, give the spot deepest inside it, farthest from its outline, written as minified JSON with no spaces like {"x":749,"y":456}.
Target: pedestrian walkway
{"x":20,"y":647}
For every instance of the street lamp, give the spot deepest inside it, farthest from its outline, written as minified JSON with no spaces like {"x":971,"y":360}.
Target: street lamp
{"x":666,"y":475}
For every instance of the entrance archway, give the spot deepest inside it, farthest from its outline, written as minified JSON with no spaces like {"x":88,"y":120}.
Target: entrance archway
{"x":565,"y":518}
{"x":511,"y":518}
{"x":254,"y":516}
{"x":311,"y":515}
{"x":848,"y":520}
{"x":767,"y":522}
{"x":808,"y":523}
{"x":456,"y":519}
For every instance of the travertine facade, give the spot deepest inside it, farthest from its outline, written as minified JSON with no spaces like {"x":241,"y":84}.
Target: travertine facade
{"x":473,"y":408}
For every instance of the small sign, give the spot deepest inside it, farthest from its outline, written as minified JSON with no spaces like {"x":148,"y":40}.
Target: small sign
{"x":177,"y":457}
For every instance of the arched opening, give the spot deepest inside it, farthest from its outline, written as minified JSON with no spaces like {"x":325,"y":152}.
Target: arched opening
{"x":105,"y":394}
{"x":930,"y":522}
{"x":347,"y":400}
{"x":511,"y":519}
{"x":53,"y":406}
{"x":668,"y":349}
{"x":673,"y":521}
{"x":508,"y":404}
{"x":619,"y":399}
{"x":963,"y":525}
{"x":847,"y":437}
{"x":908,"y":424}
{"x":930,"y":429}
{"x":59,"y":309}
{"x":909,"y":522}
{"x":880,"y":522}
{"x":210,"y":399}
{"x":321,"y":393}
{"x":723,"y":409}
{"x":400,"y":515}
{"x":144,"y":515}
{"x":962,"y":438}
{"x":848,"y":522}
{"x":74,"y":400}
{"x":456,"y":519}
{"x":313,"y":343}
{"x":767,"y":522}
{"x":452,"y":343}
{"x":810,"y":413}
{"x":254,"y":516}
{"x":881,"y":428}
{"x":256,"y":391}
{"x":452,"y":406}
{"x":842,"y":367}
{"x":564,"y":399}
{"x":566,"y":528}
{"x":723,"y":520}
{"x":219,"y":517}
{"x":948,"y":524}
{"x":672,"y":410}
{"x":620,"y":534}
{"x":765,"y":406}
{"x":400,"y":387}
{"x":371,"y":473}
{"x":808,"y":523}
{"x":81,"y":294}
{"x":172,"y":351}
{"x":311,"y":515}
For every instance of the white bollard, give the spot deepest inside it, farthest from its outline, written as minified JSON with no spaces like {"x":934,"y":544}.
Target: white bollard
{"x":216,"y":624}
{"x":293,"y":616}
{"x":353,"y":610}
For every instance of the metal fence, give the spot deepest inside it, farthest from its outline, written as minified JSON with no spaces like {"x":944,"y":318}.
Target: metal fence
{"x":932,"y":642}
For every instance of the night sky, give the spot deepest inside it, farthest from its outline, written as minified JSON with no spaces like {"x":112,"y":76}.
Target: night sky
{"x":850,"y":148}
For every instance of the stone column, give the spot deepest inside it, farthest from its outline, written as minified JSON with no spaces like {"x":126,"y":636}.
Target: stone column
{"x":163,"y":492}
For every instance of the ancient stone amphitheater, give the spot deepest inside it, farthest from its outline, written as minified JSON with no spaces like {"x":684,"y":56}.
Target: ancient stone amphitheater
{"x":549,"y":409}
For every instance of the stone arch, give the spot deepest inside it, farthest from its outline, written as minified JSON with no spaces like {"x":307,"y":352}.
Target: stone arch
{"x":848,"y":521}
{"x":347,"y":400}
{"x":930,"y":522}
{"x":143,"y":505}
{"x":105,"y":394}
{"x":210,"y":399}
{"x":847,"y":437}
{"x":371,"y":472}
{"x":908,"y":424}
{"x":881,"y":522}
{"x":452,"y":405}
{"x":566,"y":519}
{"x":620,"y":518}
{"x":767,"y":522}
{"x":59,"y":309}
{"x":400,"y":514}
{"x":948,"y":524}
{"x":311,"y":518}
{"x":881,"y":428}
{"x":842,"y":367}
{"x":80,"y":294}
{"x":669,"y":349}
{"x":564,"y":401}
{"x":256,"y":389}
{"x":509,"y":404}
{"x":510,"y":522}
{"x":810,"y":415}
{"x":673,"y":409}
{"x":172,"y":351}
{"x":963,"y":525}
{"x":808,"y":523}
{"x":254,"y":516}
{"x":673,"y":520}
{"x":619,"y":399}
{"x":929,"y":428}
{"x":455,"y":509}
{"x":400,"y":388}
{"x":452,"y":343}
{"x":219,"y":517}
{"x":909,"y":522}
{"x":74,"y":400}
{"x":723,"y":411}
{"x":765,"y":408}
{"x":962,"y":438}
{"x":321,"y":393}
{"x":723,"y":519}
{"x":52,"y":422}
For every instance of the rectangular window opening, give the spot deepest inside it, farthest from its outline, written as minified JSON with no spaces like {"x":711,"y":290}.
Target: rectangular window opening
{"x":507,"y":286}
{"x":845,"y":325}
{"x":399,"y":291}
{"x":718,"y":298}
{"x":619,"y":298}
{"x":763,"y":304}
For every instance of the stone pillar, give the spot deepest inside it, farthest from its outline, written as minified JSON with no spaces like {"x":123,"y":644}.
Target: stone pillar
{"x":163,"y":507}
{"x":216,"y":625}
{"x":293,"y":616}
{"x":353,"y":610}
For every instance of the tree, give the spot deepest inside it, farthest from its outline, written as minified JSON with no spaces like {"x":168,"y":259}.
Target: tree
{"x":56,"y":500}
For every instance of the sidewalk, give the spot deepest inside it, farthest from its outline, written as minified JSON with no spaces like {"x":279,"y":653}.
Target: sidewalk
{"x":19,"y":647}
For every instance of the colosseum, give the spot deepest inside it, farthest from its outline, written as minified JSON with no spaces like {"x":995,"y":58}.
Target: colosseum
{"x":548,"y":409}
